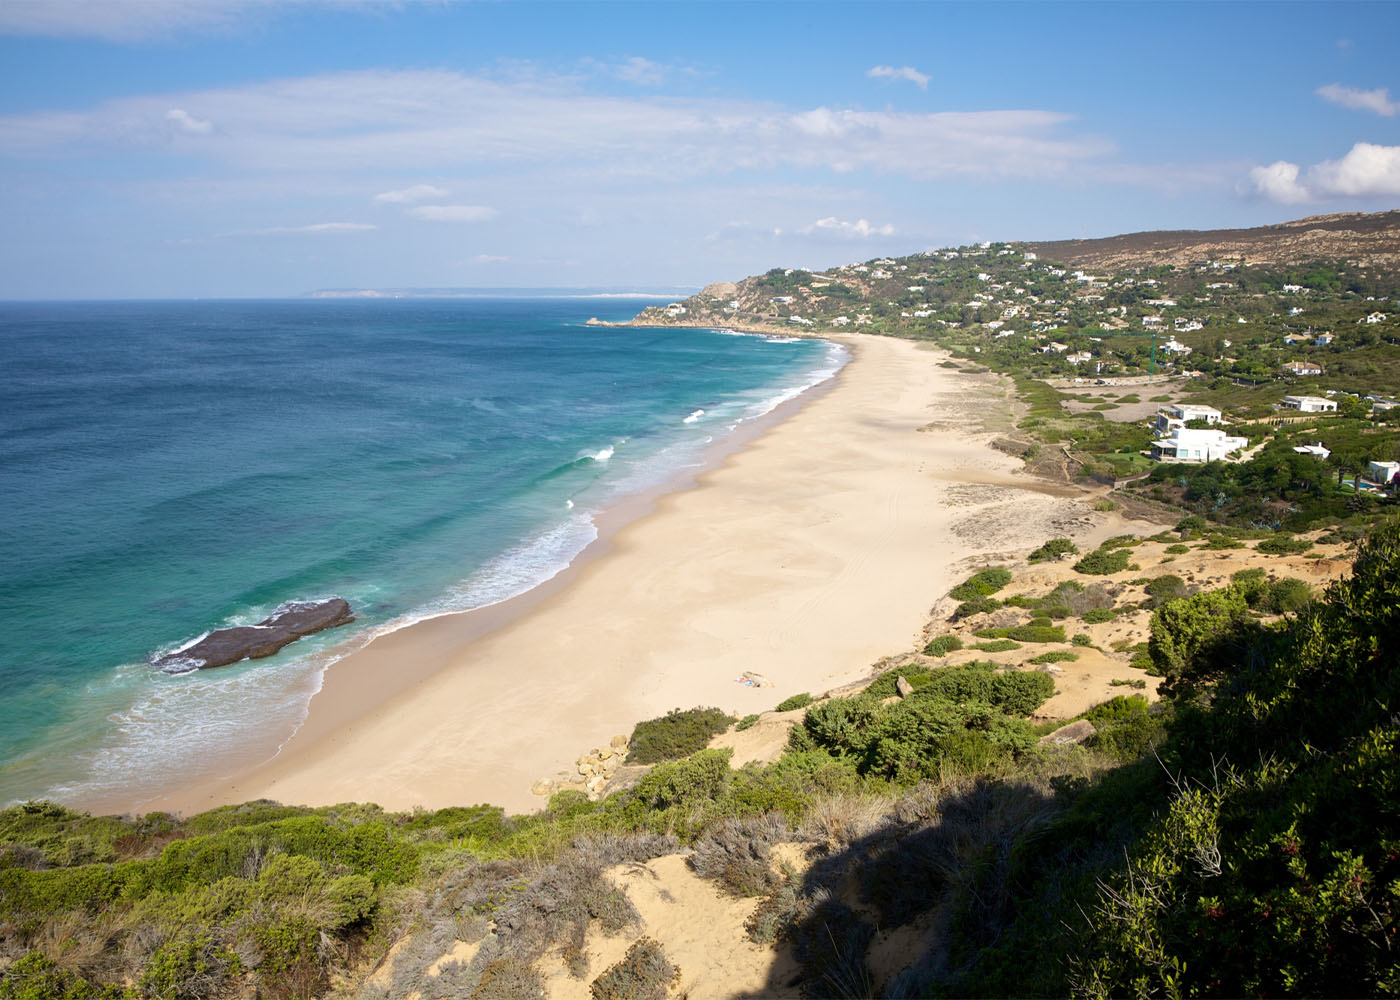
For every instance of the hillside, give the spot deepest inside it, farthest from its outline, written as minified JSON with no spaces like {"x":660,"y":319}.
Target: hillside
{"x":1371,"y":240}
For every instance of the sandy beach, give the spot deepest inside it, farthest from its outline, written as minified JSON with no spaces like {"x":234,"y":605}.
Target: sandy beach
{"x":807,"y":555}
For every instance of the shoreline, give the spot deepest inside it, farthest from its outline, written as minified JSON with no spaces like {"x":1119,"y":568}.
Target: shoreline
{"x":823,"y":539}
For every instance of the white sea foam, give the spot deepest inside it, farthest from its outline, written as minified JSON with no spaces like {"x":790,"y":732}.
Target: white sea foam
{"x":604,"y":455}
{"x":694,"y":417}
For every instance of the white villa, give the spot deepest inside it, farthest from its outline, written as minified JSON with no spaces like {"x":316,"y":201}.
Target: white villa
{"x":1309,"y":404}
{"x":1384,"y":473}
{"x":1177,"y":415}
{"x":1190,"y":445}
{"x":1318,"y":451}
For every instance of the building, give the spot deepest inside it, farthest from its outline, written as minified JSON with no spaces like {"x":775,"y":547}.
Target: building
{"x":1191,"y":445}
{"x":1317,"y":451}
{"x":1384,"y":473}
{"x":1179,"y":414}
{"x":1302,"y":368}
{"x":1309,"y":404}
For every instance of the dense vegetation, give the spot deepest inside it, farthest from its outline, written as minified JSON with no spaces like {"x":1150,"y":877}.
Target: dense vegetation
{"x":1242,"y":838}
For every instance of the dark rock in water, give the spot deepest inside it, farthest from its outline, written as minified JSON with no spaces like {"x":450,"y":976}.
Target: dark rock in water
{"x":287,"y":624}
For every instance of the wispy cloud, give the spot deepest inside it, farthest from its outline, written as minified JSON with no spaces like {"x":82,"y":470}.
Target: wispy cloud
{"x":135,"y":20}
{"x":901,"y":73}
{"x":1367,"y":170}
{"x":186,"y":122}
{"x":635,"y":69}
{"x":411,"y":194}
{"x":314,"y":228}
{"x":416,"y":120}
{"x":860,"y":229}
{"x":453,"y":213}
{"x":1362,"y":100}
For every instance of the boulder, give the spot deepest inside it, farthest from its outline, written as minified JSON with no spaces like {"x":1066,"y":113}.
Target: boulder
{"x":904,"y":688}
{"x":251,"y":642}
{"x":619,"y":742}
{"x":1075,"y":732}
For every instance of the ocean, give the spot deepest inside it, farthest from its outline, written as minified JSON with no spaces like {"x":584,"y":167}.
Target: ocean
{"x":169,"y":468}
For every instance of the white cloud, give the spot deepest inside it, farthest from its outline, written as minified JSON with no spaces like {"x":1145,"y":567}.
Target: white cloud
{"x":1366,"y":170}
{"x":314,"y":228}
{"x":188,"y":123}
{"x":488,"y":258}
{"x":453,"y":213}
{"x":133,"y":20}
{"x":902,"y":73}
{"x":438,"y":120}
{"x":1279,"y":182}
{"x":408,"y":195}
{"x":860,"y":229}
{"x":1363,"y":100}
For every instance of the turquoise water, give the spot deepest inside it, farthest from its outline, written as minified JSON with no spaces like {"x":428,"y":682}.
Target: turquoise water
{"x":171,"y":468}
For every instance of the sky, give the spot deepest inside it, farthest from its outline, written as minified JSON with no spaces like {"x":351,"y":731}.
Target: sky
{"x":271,"y":148}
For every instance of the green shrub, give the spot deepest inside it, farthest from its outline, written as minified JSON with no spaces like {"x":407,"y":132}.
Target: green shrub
{"x":943,"y":645}
{"x":1103,"y":562}
{"x":996,"y":646}
{"x":1024,"y":633}
{"x":1284,"y":545}
{"x":795,"y":702}
{"x":676,"y":734}
{"x":976,"y":606}
{"x":1177,"y":549}
{"x":746,"y":722}
{"x":1097,"y":616}
{"x":982,"y":584}
{"x":1055,"y":656}
{"x":644,"y":973}
{"x":1121,"y":542}
{"x":1219,"y":542}
{"x":1165,"y":588}
{"x":1196,"y":639}
{"x":1081,"y":639}
{"x":1052,"y":549}
{"x":1134,"y":682}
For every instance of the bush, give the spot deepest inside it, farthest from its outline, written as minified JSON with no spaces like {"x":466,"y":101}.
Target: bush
{"x":1025,"y":633}
{"x":1097,"y":616}
{"x":1220,"y":542}
{"x":1177,"y":549}
{"x":1165,"y":588}
{"x":1103,"y":562}
{"x":1194,"y":640}
{"x":982,"y":584}
{"x":1055,"y":656}
{"x":943,"y":645}
{"x":676,"y":734}
{"x":996,"y":646}
{"x":977,"y":606}
{"x":795,"y":702}
{"x":746,"y":722}
{"x":1081,"y":639}
{"x":1052,"y":549}
{"x":644,"y":973}
{"x":1284,"y":545}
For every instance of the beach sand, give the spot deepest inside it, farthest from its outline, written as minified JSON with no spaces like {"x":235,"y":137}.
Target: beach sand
{"x":805,"y":556}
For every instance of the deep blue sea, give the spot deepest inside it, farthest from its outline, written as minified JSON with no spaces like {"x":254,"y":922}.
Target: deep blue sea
{"x":171,"y":468}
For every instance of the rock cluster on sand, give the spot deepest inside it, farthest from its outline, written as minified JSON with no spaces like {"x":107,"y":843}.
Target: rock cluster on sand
{"x":597,"y":766}
{"x":288,"y":623}
{"x":591,"y":773}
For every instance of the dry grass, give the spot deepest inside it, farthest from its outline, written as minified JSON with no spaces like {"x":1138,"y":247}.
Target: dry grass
{"x":738,"y":854}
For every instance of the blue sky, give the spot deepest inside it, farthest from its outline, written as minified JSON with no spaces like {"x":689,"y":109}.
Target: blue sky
{"x":203,"y":148}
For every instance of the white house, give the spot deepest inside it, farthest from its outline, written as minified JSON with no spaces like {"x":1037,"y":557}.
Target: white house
{"x":1176,"y":347}
{"x":1191,"y":445}
{"x":1079,"y":358}
{"x":1317,"y":451}
{"x":1323,"y":339}
{"x":1309,"y":404}
{"x":1177,"y":415}
{"x":1376,"y":318}
{"x":1384,"y":473}
{"x":1302,"y":367}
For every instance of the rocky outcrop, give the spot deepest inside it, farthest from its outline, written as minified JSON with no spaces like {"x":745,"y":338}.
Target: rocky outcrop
{"x":1075,"y":732}
{"x":244,"y":642}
